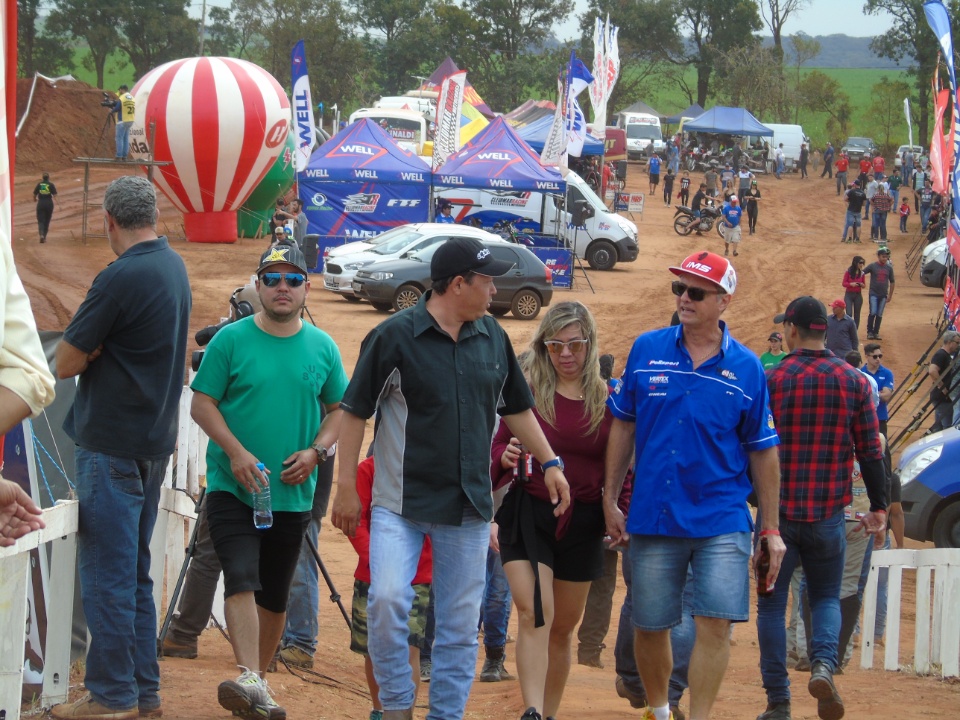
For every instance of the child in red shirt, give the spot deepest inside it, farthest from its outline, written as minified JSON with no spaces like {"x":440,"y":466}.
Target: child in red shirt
{"x":904,"y":214}
{"x":417,"y":621}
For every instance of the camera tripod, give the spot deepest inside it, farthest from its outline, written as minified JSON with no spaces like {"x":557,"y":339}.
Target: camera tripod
{"x":106,"y":122}
{"x":191,"y":550}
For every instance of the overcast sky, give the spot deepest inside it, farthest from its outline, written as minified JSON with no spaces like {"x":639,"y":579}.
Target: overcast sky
{"x":819,"y":17}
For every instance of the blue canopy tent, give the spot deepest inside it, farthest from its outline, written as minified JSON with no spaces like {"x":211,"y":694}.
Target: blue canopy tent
{"x":498,"y":159}
{"x":535,"y":135}
{"x":728,"y":121}
{"x":694,"y":111}
{"x":360,"y":183}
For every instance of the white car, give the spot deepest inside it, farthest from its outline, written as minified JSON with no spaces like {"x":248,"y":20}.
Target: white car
{"x":342,"y":263}
{"x":898,"y":159}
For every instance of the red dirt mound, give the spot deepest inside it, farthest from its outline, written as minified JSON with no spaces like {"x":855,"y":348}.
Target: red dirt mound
{"x":64,"y":122}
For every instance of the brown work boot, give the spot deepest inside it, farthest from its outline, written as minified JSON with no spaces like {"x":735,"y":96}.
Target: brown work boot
{"x":172,"y":648}
{"x":86,"y":708}
{"x":493,"y":669}
{"x":637,"y":700}
{"x":590,"y":657}
{"x":296,"y":657}
{"x":152,"y":712}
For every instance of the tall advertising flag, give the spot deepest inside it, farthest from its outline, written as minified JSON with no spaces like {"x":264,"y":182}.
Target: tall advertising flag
{"x":606,"y":70}
{"x":578,"y":79}
{"x":446,"y":140}
{"x":555,"y":145}
{"x":306,"y":131}
{"x":939,"y":21}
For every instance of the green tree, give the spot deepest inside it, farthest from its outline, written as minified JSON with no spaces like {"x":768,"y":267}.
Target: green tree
{"x":750,"y":77}
{"x":27,"y":13}
{"x":336,"y":58}
{"x":394,"y":35}
{"x":775,"y":14}
{"x":222,"y":36}
{"x":153,"y":32}
{"x":886,"y":110}
{"x":910,"y":38}
{"x":821,"y":93}
{"x":804,"y":48}
{"x":92,"y":21}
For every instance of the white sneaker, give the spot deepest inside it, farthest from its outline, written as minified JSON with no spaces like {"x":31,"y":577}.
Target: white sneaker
{"x":249,"y":697}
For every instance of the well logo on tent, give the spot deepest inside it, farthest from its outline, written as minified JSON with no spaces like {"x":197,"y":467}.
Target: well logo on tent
{"x":359,"y":150}
{"x":361,"y":202}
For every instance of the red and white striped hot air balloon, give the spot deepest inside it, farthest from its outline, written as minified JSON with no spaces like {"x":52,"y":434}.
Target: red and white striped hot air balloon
{"x":221,"y":122}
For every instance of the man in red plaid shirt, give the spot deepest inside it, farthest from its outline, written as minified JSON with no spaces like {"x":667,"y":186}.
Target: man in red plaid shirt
{"x":824,"y":412}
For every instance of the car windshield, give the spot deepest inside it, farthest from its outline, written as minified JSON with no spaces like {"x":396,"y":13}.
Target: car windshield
{"x":636,"y":131}
{"x":425,"y":255}
{"x":861,"y":142}
{"x":397,"y":243}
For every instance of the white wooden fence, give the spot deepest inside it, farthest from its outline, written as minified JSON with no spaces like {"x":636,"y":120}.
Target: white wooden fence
{"x":176,"y":517}
{"x":937,"y":629}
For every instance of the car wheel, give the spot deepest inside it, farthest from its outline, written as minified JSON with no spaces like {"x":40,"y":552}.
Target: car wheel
{"x":946,"y":530}
{"x":499,"y":312}
{"x":525,"y":305}
{"x":350,"y":298}
{"x":382,"y":306}
{"x":407,"y":296}
{"x":602,"y":255}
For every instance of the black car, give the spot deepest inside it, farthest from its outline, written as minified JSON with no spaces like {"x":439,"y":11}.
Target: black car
{"x":857,"y":147}
{"x":398,"y":284}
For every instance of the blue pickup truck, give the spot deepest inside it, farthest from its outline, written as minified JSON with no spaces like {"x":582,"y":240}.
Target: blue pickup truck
{"x":930,"y":478}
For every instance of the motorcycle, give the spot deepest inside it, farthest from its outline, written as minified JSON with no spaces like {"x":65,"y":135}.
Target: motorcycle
{"x":685,"y":222}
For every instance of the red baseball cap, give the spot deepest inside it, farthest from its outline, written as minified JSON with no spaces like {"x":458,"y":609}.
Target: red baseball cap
{"x":709,"y":266}
{"x":838,"y":303}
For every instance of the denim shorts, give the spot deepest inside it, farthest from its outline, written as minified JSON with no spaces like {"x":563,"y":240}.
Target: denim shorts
{"x":721,"y":578}
{"x":258,"y":561}
{"x":416,"y":620}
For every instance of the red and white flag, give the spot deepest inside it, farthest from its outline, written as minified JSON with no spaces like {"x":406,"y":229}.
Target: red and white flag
{"x":446,"y":140}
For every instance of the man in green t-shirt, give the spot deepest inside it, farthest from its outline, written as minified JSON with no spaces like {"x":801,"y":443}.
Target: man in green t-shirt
{"x":258,"y":395}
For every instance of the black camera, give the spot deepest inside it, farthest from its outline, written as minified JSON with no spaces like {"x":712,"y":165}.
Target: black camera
{"x":107,"y":101}
{"x":239,"y":309}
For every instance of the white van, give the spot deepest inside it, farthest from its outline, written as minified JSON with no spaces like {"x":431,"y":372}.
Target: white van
{"x":403,"y":102}
{"x":792,"y":136}
{"x":606,"y":240}
{"x":408,"y":128}
{"x":643,"y":131}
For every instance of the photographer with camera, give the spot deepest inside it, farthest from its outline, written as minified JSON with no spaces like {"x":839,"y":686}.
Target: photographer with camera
{"x":125,"y":107}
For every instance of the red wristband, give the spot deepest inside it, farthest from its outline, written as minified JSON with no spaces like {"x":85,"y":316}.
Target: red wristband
{"x":769,"y":532}
{"x":884,"y":512}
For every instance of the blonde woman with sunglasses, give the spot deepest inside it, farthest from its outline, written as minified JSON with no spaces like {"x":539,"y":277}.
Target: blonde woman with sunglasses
{"x":550,"y":558}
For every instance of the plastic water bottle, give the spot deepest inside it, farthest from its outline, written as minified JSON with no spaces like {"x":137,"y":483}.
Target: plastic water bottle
{"x":262,"y":513}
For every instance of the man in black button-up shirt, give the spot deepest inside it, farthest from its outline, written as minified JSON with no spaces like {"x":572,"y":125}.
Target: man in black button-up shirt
{"x":438,"y":374}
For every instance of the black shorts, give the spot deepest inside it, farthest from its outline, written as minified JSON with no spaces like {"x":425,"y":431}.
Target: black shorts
{"x":258,"y":561}
{"x":655,"y":179}
{"x":576,"y":557}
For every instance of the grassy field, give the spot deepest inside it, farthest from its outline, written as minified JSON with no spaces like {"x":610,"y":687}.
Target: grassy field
{"x":855,"y":82}
{"x":116,"y":71}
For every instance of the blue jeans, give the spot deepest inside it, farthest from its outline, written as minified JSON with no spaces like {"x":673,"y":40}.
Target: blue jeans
{"x":895,"y":194}
{"x":852,"y":221}
{"x":819,"y":547}
{"x":924,"y":217}
{"x":495,"y":611}
{"x":302,"y":625}
{"x":877,"y":304}
{"x":119,"y":498}
{"x":878,"y":225}
{"x":123,"y":138}
{"x":459,"y":575}
{"x":682,"y":638}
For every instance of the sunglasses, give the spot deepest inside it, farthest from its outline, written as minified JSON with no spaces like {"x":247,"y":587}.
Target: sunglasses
{"x":294,"y":280}
{"x":877,"y":357}
{"x":555,"y":347}
{"x":694,"y":293}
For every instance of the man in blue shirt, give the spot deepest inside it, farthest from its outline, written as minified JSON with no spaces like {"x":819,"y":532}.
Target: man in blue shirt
{"x":732,"y":212}
{"x":653,"y":167}
{"x":446,"y":215}
{"x":692,"y":405}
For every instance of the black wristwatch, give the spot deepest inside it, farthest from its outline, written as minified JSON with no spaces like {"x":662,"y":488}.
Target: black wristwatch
{"x":322,"y":453}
